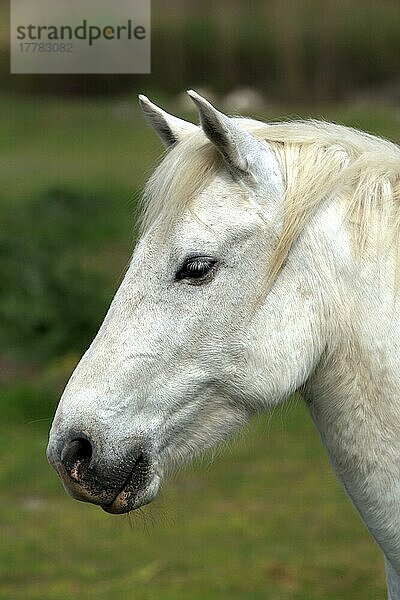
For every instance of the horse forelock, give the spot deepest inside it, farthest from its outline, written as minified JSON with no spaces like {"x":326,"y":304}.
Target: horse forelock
{"x":184,"y":171}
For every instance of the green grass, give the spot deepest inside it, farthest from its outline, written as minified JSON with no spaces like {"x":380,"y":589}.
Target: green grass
{"x":88,"y":144}
{"x":266,"y":519}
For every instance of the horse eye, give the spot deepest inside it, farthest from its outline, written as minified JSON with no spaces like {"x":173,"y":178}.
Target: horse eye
{"x":196,"y":268}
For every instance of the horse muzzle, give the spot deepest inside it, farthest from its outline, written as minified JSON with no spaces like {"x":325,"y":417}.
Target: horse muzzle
{"x":118,"y":484}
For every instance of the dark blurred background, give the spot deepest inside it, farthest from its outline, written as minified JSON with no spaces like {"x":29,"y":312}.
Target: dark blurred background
{"x":290,"y":51}
{"x":75,"y":154}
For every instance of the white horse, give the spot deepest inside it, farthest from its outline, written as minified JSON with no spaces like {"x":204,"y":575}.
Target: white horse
{"x":267,"y":263}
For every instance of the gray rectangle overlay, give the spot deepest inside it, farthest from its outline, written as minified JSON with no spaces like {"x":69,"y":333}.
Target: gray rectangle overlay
{"x":71,"y":36}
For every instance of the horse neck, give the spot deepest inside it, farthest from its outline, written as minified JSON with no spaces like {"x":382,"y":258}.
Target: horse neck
{"x":354,"y":401}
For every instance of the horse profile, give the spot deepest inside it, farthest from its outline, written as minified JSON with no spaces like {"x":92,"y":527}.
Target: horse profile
{"x":267,"y":263}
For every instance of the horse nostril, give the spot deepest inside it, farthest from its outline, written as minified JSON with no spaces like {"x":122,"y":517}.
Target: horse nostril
{"x":76,"y":454}
{"x":139,"y":459}
{"x":117,"y":481}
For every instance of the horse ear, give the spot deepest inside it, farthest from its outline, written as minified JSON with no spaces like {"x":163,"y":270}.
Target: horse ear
{"x":238,"y":148}
{"x":169,"y":128}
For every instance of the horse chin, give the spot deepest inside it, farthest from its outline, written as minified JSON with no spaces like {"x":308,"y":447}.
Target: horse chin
{"x":129,"y":499}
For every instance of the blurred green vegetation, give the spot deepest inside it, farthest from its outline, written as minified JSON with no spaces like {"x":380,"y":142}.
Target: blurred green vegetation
{"x":45,"y":283}
{"x":268,"y":520}
{"x":69,"y":183}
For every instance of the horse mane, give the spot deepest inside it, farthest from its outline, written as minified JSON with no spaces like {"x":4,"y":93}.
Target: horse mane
{"x":319,"y":160}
